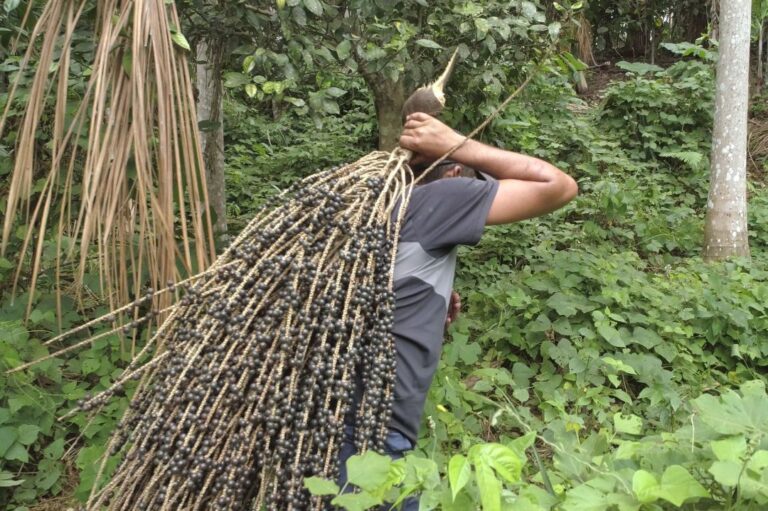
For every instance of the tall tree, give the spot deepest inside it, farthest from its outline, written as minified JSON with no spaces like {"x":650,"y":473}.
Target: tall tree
{"x":726,"y":222}
{"x":760,"y":16}
{"x":395,"y":46}
{"x":210,"y":106}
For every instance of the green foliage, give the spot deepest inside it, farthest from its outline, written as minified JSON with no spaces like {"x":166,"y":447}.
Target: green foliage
{"x":478,"y":477}
{"x":39,"y":453}
{"x":600,"y":365}
{"x":265,"y":156}
{"x":304,"y":45}
{"x":32,"y":441}
{"x":663,"y":114}
{"x":715,"y":460}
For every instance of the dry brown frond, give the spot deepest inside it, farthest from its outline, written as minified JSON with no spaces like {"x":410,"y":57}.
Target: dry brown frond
{"x":758,"y":146}
{"x":758,"y":139}
{"x":584,"y":40}
{"x":141,"y":176}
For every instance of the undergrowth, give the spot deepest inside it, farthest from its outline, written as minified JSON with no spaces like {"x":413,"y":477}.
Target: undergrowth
{"x":599,"y":363}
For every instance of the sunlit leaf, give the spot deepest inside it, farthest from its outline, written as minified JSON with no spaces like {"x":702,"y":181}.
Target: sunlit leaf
{"x":180,"y":40}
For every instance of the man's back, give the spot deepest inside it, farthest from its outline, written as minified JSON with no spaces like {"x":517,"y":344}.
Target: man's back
{"x":441,"y":215}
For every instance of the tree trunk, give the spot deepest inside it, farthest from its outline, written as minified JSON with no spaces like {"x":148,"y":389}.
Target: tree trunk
{"x":210,"y":102}
{"x":726,"y":223}
{"x":388,"y":97}
{"x":637,"y":41}
{"x":696,"y":24}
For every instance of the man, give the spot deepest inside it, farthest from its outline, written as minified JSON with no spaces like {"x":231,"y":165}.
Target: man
{"x":447,"y":211}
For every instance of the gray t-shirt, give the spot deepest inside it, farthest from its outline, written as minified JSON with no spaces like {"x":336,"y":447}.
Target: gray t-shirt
{"x":440,"y":216}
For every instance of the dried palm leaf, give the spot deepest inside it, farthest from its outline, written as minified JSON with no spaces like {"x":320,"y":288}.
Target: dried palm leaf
{"x":140,"y":177}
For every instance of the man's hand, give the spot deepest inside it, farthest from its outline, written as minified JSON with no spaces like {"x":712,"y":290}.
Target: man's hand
{"x":454,"y":307}
{"x":427,"y":137}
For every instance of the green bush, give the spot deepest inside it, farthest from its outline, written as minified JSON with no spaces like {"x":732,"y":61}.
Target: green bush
{"x":662,"y":115}
{"x":264,"y":156}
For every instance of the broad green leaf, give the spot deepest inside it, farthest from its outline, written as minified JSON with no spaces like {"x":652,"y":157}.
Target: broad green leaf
{"x":314,"y":6}
{"x":299,"y":16}
{"x":273,"y":87}
{"x":489,"y":486}
{"x":554,"y":29}
{"x":298,"y":102}
{"x":55,"y":449}
{"x":395,"y":475}
{"x":585,"y":498}
{"x":459,"y":473}
{"x":280,"y":4}
{"x":180,"y":40}
{"x":729,"y":414}
{"x":428,"y":43}
{"x":677,"y":486}
{"x":627,"y":450}
{"x":521,"y":444}
{"x":10,"y":5}
{"x":732,"y":448}
{"x":490,"y":43}
{"x":343,"y":49}
{"x":320,"y":486}
{"x":647,"y":338}
{"x":369,"y":470}
{"x":563,"y":304}
{"x":232,"y":79}
{"x":645,"y":486}
{"x":17,"y":452}
{"x":28,"y":434}
{"x":45,"y":480}
{"x":501,"y":458}
{"x":639,"y":68}
{"x":753,"y":388}
{"x":610,"y":334}
{"x":759,"y":461}
{"x":251,"y":89}
{"x":8,"y":435}
{"x":631,"y":424}
{"x":90,"y":365}
{"x":249,"y":62}
{"x":421,"y":472}
{"x":335,"y":92}
{"x":331,"y":107}
{"x":482,"y":26}
{"x":726,"y":472}
{"x":356,"y":501}
{"x":529,"y":9}
{"x":619,"y":365}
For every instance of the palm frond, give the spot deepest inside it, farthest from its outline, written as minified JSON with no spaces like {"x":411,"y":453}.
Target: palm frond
{"x":140,"y":177}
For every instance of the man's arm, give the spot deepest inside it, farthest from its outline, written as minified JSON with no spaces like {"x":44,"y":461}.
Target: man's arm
{"x":528,"y":186}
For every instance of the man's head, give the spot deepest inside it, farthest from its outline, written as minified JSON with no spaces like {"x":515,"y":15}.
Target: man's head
{"x":443,"y":170}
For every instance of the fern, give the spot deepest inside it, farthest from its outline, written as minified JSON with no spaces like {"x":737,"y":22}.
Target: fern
{"x":693,"y":159}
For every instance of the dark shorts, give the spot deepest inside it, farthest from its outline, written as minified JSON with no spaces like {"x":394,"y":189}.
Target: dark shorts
{"x":395,"y":447}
